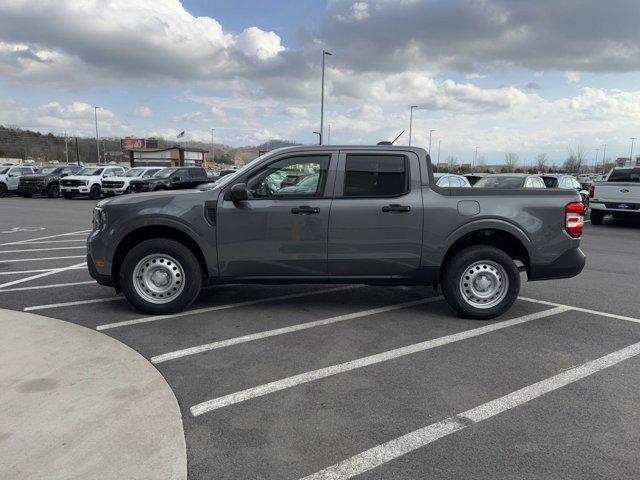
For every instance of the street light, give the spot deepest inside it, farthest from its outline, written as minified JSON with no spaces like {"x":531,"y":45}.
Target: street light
{"x":411,"y":120}
{"x":213,"y":157}
{"x":633,"y":139}
{"x":475,"y":158}
{"x":595,"y":162}
{"x":604,"y":153}
{"x":319,"y":137}
{"x":439,"y":142}
{"x":324,"y":54}
{"x":95,"y":113}
{"x":430,"y":132}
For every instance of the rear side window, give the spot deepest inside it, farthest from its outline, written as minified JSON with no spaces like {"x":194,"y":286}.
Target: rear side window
{"x":376,"y":176}
{"x":626,"y":175}
{"x":197,"y":173}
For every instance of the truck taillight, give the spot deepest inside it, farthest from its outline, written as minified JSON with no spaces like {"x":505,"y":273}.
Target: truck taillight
{"x":592,"y":190}
{"x":574,"y":219}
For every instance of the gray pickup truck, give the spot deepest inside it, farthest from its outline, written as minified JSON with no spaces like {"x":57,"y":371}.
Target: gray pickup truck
{"x":339,"y":214}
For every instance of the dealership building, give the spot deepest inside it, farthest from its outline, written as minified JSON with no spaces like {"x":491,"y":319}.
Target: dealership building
{"x":143,"y":153}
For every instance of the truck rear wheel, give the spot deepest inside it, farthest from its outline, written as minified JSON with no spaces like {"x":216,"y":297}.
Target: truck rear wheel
{"x":597,"y":216}
{"x":53,"y":190}
{"x":481,"y":282}
{"x":94,"y":192}
{"x":160,"y":276}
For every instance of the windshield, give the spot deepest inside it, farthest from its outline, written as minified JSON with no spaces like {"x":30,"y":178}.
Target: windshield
{"x":227,"y":179}
{"x":50,"y":170}
{"x":4,"y":170}
{"x":626,"y":175}
{"x":550,"y":182}
{"x":165,"y":172}
{"x":134,"y":172}
{"x":90,"y":171}
{"x":500,"y":182}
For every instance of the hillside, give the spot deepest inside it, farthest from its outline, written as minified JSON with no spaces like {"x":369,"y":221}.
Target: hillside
{"x":18,"y":143}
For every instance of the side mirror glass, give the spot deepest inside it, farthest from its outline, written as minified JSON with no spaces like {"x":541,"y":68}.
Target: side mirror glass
{"x":239,"y":192}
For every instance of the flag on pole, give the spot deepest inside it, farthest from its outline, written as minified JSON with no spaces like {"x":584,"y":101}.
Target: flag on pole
{"x":181,"y":134}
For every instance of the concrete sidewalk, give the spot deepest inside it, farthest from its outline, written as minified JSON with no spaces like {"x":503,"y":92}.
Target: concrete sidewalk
{"x":77,"y":404}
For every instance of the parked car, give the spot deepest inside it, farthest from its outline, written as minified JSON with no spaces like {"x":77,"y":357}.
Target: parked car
{"x":373,"y":217}
{"x":447,"y":180}
{"x":508,"y":181}
{"x":171,"y":178}
{"x":46,"y":181}
{"x":10,"y":177}
{"x":121,"y":184}
{"x":585,"y":180}
{"x":552,"y":180}
{"x":618,"y":196}
{"x":474,"y":177}
{"x":88,"y":181}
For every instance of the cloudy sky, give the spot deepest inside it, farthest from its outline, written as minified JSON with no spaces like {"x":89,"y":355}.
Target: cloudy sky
{"x":503,"y":75}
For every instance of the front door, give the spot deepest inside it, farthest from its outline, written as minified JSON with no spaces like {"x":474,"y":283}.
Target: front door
{"x":281,"y":230}
{"x":375,"y":227}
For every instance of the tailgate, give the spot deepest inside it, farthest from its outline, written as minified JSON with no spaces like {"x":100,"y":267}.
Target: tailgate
{"x":617,"y":192}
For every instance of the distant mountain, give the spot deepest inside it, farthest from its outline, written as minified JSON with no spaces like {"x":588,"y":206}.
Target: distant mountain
{"x":18,"y":143}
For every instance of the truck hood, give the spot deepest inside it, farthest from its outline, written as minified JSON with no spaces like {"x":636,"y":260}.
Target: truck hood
{"x":82,"y":177}
{"x":40,"y":177}
{"x":140,"y":199}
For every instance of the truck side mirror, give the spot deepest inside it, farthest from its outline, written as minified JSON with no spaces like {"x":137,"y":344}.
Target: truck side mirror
{"x":239,"y":192}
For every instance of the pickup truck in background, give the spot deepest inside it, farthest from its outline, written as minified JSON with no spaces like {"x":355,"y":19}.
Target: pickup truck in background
{"x":46,"y":181}
{"x":171,"y":178}
{"x":121,"y":184}
{"x":618,"y":195}
{"x":374,"y":216}
{"x":88,"y":181}
{"x":10,"y":176}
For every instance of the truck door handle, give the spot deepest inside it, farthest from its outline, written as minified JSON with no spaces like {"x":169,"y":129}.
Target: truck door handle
{"x":394,"y":207}
{"x":305,"y":210}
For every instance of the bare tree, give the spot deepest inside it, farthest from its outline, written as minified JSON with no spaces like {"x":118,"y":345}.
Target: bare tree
{"x":452,"y":162}
{"x":541,"y":162}
{"x":575,"y":160}
{"x":510,"y":161}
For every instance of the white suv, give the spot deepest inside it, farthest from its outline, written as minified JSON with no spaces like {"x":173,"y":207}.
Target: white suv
{"x":88,"y":181}
{"x":116,"y":185}
{"x":10,"y":176}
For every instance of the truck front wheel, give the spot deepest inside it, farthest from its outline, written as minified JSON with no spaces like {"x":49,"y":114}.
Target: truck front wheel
{"x":481,"y":282}
{"x":597,"y":216}
{"x":160,"y":276}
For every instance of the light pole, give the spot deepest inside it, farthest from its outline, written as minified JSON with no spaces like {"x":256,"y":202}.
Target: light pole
{"x":411,"y":121}
{"x":95,"y":114}
{"x":633,"y":139}
{"x":475,"y":158}
{"x":324,"y":54}
{"x":329,"y":134}
{"x":439,"y":142}
{"x":595,"y":162}
{"x":430,"y":133}
{"x":66,"y":146}
{"x":213,"y":157}
{"x":604,"y":153}
{"x":319,"y":137}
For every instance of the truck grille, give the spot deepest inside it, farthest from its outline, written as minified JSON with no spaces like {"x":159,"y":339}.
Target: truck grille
{"x":71,"y":183}
{"x":31,"y":182}
{"x":112,"y":184}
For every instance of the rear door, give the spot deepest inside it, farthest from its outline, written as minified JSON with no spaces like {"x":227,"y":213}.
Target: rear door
{"x":375,"y":227}
{"x":280,"y":230}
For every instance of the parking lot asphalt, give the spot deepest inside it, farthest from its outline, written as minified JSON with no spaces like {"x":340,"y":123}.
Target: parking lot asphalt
{"x":291,"y":382}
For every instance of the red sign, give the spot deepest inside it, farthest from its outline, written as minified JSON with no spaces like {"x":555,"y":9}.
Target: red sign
{"x":131,"y":143}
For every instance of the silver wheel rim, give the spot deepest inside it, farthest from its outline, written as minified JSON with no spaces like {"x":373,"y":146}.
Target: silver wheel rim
{"x":484,"y":284}
{"x":158,"y":278}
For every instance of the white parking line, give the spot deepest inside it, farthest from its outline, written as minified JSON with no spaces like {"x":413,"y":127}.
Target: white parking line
{"x":583,"y":310}
{"x":306,"y":377}
{"x":38,"y":287}
{"x":72,"y":304}
{"x":18,"y":242}
{"x":36,"y":259}
{"x":41,"y":275}
{"x":41,"y":270}
{"x":388,"y":451}
{"x":57,"y":241}
{"x":281,"y":331}
{"x":41,"y":249}
{"x":220,"y":307}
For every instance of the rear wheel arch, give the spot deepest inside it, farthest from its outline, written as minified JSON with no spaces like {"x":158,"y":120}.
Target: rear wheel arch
{"x":141,"y":234}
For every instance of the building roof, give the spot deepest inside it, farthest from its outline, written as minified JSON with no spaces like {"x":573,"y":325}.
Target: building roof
{"x":175,"y":147}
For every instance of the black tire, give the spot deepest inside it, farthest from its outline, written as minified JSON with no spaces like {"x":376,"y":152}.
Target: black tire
{"x":456,"y":269}
{"x":597,"y":216}
{"x":187,"y":261}
{"x":26,"y":195}
{"x":94,"y":192}
{"x":128,"y":191}
{"x":68,"y":196}
{"x":53,"y":190}
{"x":3,"y":190}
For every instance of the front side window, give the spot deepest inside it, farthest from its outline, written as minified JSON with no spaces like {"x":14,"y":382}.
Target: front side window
{"x":375,"y":176}
{"x":291,"y":177}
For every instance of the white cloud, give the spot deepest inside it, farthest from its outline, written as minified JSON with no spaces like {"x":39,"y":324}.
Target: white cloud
{"x":297,"y":112}
{"x":214,"y":115}
{"x":142,"y":112}
{"x":258,"y":43}
{"x":573,"y":77}
{"x":358,"y":11}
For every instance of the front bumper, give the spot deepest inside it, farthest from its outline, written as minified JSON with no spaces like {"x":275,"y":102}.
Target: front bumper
{"x":612,"y":206}
{"x":567,"y":265}
{"x":101,"y":278}
{"x":113,"y":190}
{"x":76,"y":190}
{"x":31,"y":190}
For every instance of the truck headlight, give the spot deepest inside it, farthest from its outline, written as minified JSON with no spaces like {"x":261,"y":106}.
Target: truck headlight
{"x":99,"y":219}
{"x":85,"y":183}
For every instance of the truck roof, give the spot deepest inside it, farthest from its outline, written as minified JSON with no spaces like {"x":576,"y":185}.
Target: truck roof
{"x":390,"y":148}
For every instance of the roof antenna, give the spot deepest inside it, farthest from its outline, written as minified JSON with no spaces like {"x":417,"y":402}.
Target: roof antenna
{"x":386,"y":142}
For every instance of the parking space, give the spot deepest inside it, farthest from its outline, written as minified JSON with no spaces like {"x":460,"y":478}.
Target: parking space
{"x":318,"y":381}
